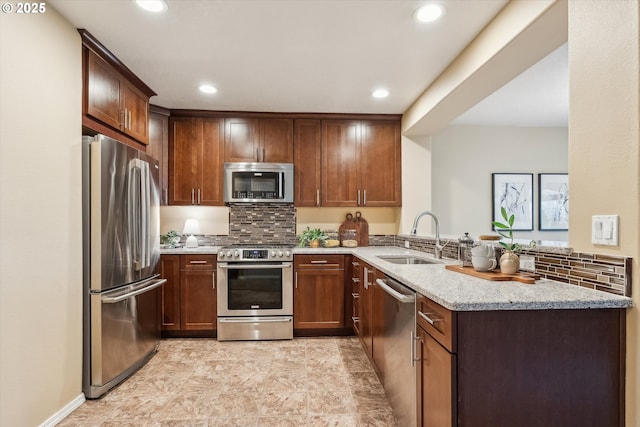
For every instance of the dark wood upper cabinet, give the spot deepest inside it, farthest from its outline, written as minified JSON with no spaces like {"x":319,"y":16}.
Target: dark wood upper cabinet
{"x":196,"y":161}
{"x":361,"y":163}
{"x":158,"y":147}
{"x":340,"y":166}
{"x":115,"y":101}
{"x":380,"y":163}
{"x":259,"y":140}
{"x":307,"y":160}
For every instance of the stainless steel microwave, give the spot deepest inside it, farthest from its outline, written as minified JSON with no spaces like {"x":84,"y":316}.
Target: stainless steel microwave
{"x":258,"y":182}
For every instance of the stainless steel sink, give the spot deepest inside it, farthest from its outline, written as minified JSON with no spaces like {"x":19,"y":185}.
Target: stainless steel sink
{"x":402,"y":259}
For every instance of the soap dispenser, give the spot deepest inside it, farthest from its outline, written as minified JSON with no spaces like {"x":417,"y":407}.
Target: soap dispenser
{"x":465,"y":243}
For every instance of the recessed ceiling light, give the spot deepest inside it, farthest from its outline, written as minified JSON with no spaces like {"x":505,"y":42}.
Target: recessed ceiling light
{"x":429,"y":13}
{"x":208,"y":89}
{"x":380,"y":93}
{"x":152,"y":5}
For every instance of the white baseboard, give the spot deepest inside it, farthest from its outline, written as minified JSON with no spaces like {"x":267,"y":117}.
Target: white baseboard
{"x":64,"y":411}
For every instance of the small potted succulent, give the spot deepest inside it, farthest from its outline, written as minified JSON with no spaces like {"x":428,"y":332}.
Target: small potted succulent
{"x":509,"y":261}
{"x":313,"y":237}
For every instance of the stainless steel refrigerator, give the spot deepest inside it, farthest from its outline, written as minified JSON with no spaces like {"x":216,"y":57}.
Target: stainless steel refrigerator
{"x":121,"y":246}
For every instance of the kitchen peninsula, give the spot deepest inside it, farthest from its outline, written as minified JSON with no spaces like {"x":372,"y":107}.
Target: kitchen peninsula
{"x":490,"y":353}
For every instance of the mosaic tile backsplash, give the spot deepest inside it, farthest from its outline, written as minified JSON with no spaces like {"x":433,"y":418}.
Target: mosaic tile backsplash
{"x":601,"y":272}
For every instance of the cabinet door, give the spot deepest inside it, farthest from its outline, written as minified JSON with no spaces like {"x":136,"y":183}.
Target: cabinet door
{"x":198,"y":309}
{"x":241,"y":142}
{"x":103,"y":94}
{"x":366,"y":309}
{"x":185,"y":161}
{"x":170,"y":292}
{"x":436,"y":383}
{"x":276,"y":142}
{"x":318,"y":299}
{"x":340,"y":169}
{"x":380,"y":163}
{"x":136,"y":107}
{"x":158,"y":148}
{"x":356,"y":292}
{"x":306,"y":161}
{"x":210,"y":183}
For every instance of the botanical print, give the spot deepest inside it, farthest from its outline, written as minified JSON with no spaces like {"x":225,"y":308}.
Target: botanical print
{"x":554,"y":201}
{"x":514,"y":192}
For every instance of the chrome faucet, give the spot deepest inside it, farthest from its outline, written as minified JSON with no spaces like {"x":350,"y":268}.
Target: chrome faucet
{"x":414,"y":230}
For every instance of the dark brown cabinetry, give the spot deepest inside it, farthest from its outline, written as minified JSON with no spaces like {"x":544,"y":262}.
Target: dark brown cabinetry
{"x":196,"y":161}
{"x":113,"y":97}
{"x":198,"y":307}
{"x":189,"y":296}
{"x":170,"y":294}
{"x":361,"y":163}
{"x":307,"y":161}
{"x":319,"y":293}
{"x":259,"y":140}
{"x":158,"y":147}
{"x":524,"y":368}
{"x":356,"y":292}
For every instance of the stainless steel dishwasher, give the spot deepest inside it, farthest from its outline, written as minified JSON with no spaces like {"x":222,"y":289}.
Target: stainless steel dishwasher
{"x":399,"y":331}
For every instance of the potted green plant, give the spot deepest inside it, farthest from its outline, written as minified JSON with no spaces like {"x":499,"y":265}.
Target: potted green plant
{"x":171,"y":239}
{"x":313,"y":237}
{"x":509,"y":261}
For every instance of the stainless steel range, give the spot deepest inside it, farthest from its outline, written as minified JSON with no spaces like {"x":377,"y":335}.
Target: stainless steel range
{"x":255,"y":293}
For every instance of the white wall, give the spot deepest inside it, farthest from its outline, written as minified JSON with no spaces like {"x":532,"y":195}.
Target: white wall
{"x":463,"y":159}
{"x":40,"y":217}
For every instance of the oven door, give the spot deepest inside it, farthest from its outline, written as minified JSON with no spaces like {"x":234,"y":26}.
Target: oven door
{"x":255,"y":289}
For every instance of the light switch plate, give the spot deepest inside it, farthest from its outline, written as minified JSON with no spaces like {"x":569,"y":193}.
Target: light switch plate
{"x":604,"y":230}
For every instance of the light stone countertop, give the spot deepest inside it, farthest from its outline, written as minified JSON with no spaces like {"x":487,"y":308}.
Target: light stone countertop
{"x":461,"y":292}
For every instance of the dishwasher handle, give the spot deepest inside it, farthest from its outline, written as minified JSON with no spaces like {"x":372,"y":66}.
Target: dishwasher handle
{"x":403,"y":298}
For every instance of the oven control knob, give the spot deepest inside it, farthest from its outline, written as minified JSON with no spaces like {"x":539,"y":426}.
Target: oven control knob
{"x":228,"y":254}
{"x":287,"y":254}
{"x":280,"y":253}
{"x":221,"y":254}
{"x":236,"y":254}
{"x":273,"y":254}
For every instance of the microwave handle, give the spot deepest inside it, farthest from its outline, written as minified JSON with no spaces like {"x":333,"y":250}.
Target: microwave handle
{"x":281,"y":186}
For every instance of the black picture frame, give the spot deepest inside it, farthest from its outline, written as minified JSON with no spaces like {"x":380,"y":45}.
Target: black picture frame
{"x":553,"y":202}
{"x":514,"y":192}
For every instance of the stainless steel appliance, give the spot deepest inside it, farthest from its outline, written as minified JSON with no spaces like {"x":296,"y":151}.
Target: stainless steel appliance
{"x":399,"y":349}
{"x":258,"y":182}
{"x":121,"y":250}
{"x":255,"y":293}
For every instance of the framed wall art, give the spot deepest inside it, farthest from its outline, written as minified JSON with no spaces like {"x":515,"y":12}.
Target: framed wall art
{"x":553,"y":201}
{"x":514,"y":192}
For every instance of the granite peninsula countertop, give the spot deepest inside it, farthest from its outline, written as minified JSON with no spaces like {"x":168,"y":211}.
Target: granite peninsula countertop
{"x":461,"y":292}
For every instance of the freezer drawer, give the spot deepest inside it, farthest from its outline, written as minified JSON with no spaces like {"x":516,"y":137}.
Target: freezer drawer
{"x":124,"y":334}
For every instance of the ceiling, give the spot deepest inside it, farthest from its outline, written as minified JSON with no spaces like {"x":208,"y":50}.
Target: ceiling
{"x":294,"y":55}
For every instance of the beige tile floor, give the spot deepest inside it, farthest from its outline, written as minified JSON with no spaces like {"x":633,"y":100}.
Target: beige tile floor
{"x":203,"y":382}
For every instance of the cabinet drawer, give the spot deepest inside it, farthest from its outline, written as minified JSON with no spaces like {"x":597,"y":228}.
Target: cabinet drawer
{"x":197,"y":262}
{"x":319,"y":261}
{"x":438,"y":321}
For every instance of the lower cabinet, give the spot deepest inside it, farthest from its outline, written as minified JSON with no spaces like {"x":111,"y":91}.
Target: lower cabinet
{"x":519,"y":367}
{"x":319,"y":296}
{"x":189,"y":303}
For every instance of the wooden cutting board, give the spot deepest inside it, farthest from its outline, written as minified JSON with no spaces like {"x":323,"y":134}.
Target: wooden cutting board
{"x":363,"y":229}
{"x":495,"y":275}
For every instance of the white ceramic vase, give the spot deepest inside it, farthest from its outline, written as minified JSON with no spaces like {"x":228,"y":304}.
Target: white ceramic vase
{"x":509,"y":263}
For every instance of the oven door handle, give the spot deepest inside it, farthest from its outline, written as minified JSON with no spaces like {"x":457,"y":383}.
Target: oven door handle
{"x":254,"y":266}
{"x":255,"y":319}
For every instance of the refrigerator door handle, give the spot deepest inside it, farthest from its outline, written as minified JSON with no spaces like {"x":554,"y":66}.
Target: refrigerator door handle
{"x":139,"y":200}
{"x":115,"y":299}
